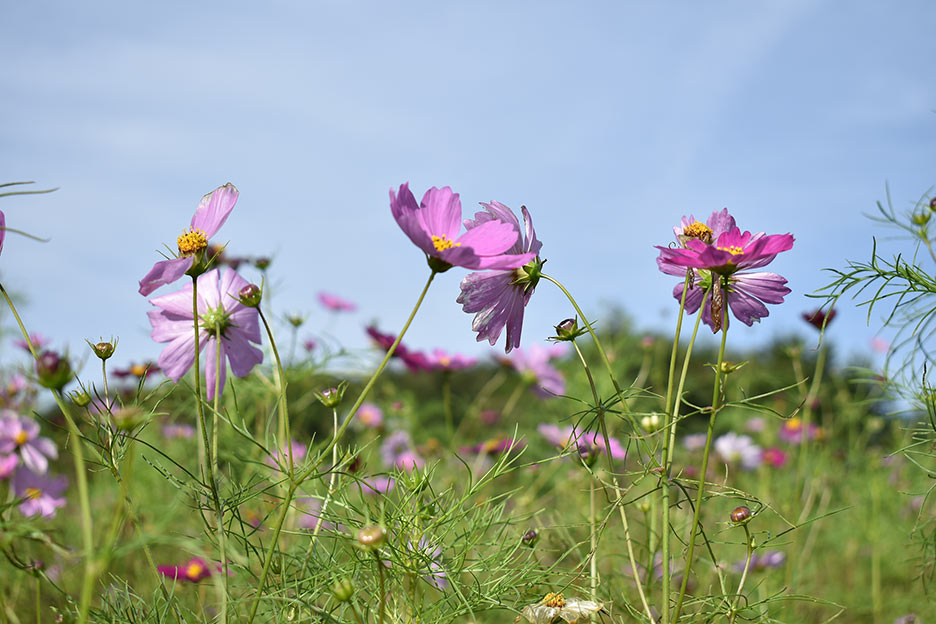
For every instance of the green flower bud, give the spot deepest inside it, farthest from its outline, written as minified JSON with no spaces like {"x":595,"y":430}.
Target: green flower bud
{"x":530,"y":538}
{"x":331,"y":397}
{"x":103,"y":349}
{"x":250,"y":295}
{"x":262,"y":263}
{"x":371,"y":537}
{"x":295,"y":320}
{"x":53,"y":370}
{"x":343,"y":589}
{"x":568,"y":330}
{"x":80,"y":398}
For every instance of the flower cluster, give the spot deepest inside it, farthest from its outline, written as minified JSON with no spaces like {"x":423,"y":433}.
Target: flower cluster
{"x":718,"y":259}
{"x":24,"y":458}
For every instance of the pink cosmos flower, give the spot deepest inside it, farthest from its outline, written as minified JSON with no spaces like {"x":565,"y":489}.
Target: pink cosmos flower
{"x":218,"y":310}
{"x":177,"y":430}
{"x":281,"y":457}
{"x":792,"y":430}
{"x":498,"y":298}
{"x":397,"y":450}
{"x":212,"y":212}
{"x":774,"y":457}
{"x":415,"y":361}
{"x":734,"y":448}
{"x":732,"y":254}
{"x":309,"y":345}
{"x":440,"y":360}
{"x":192,"y":571}
{"x":566,"y":436}
{"x":38,"y":341}
{"x":336,"y":303}
{"x":370,"y":415}
{"x":310,"y":514}
{"x":8,"y":464}
{"x":434,"y":225}
{"x":718,"y":223}
{"x":41,"y":495}
{"x":379,"y":484}
{"x":533,"y":364}
{"x":21,"y":435}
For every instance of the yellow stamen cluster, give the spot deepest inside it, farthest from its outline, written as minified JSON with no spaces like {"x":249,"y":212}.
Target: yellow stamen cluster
{"x":21,"y":438}
{"x":734,"y":250}
{"x":441,"y":243}
{"x":698,"y":230}
{"x":192,"y":242}
{"x":193,"y":570}
{"x":33,"y":493}
{"x":554,"y":600}
{"x":445,"y":361}
{"x":138,"y":369}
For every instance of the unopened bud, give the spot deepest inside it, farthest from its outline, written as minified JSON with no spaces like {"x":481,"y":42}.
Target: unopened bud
{"x":530,"y":538}
{"x":740,"y":514}
{"x":933,"y":204}
{"x":343,"y":589}
{"x":250,"y":295}
{"x":372,"y":537}
{"x":588,"y":453}
{"x":295,"y":320}
{"x":262,"y":263}
{"x":644,"y":506}
{"x":103,"y":349}
{"x":651,"y":422}
{"x":53,"y":371}
{"x":568,"y":330}
{"x":331,"y":397}
{"x":921,"y":218}
{"x":729,"y":367}
{"x":80,"y":398}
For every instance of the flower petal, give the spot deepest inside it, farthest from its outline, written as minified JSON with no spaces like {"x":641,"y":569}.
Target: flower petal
{"x":164,"y":272}
{"x":440,"y":212}
{"x":178,"y":356}
{"x":242,"y":355}
{"x":213,"y":209}
{"x":214,"y":377}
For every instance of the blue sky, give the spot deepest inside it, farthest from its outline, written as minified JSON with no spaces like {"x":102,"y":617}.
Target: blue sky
{"x":609,"y":123}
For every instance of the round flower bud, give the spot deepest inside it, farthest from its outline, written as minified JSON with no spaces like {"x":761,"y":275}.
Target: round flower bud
{"x":250,"y":295}
{"x":103,"y":349}
{"x":53,"y":371}
{"x":644,"y":506}
{"x":262,"y":263}
{"x":588,"y":453}
{"x":530,"y":538}
{"x":295,"y":320}
{"x":933,"y":204}
{"x":921,"y":218}
{"x":331,"y":397}
{"x":371,"y":537}
{"x":343,"y":589}
{"x":568,"y":330}
{"x":740,"y":514}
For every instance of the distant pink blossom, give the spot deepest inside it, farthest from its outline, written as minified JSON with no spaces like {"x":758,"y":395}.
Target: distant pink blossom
{"x":379,"y":484}
{"x":38,"y":341}
{"x":397,"y":450}
{"x":533,"y":364}
{"x":192,"y":571}
{"x":791,"y":431}
{"x":564,"y":437}
{"x":370,"y":415}
{"x":8,"y":464}
{"x":775,"y":457}
{"x":738,"y":449}
{"x":21,"y":435}
{"x":41,"y":495}
{"x":281,"y":457}
{"x":336,"y":303}
{"x":177,"y":430}
{"x":440,"y":360}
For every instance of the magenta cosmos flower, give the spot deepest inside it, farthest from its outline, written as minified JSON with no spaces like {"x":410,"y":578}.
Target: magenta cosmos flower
{"x":41,"y":495}
{"x":336,"y":303}
{"x":498,"y":298}
{"x":212,"y":212}
{"x":533,"y":364}
{"x":440,"y":360}
{"x":729,"y":258}
{"x":218,"y":311}
{"x":434,"y":225}
{"x":21,"y":436}
{"x":193,"y":570}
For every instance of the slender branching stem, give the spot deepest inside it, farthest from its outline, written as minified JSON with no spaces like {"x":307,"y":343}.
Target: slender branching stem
{"x":696,"y":516}
{"x":749,"y":542}
{"x":281,"y":383}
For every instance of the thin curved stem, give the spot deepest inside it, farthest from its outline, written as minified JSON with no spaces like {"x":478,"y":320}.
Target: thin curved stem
{"x":747,"y":565}
{"x":281,"y":381}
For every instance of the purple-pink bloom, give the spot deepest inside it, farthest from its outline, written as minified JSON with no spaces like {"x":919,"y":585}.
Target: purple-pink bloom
{"x":38,"y":340}
{"x":431,"y":563}
{"x":336,"y":303}
{"x":177,"y":430}
{"x":8,"y":464}
{"x":310,"y":514}
{"x":732,"y":253}
{"x":498,"y":298}
{"x":379,"y":484}
{"x":212,"y":212}
{"x":397,"y":450}
{"x":734,"y":448}
{"x":434,"y":225}
{"x":21,"y":435}
{"x":564,"y":437}
{"x":281,"y":457}
{"x":440,"y":360}
{"x":219,"y":311}
{"x":194,"y":570}
{"x":415,"y":361}
{"x":370,"y":415}
{"x":533,"y":364}
{"x":41,"y":495}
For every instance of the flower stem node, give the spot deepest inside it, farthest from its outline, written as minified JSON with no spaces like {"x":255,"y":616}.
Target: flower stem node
{"x":437,"y":265}
{"x":372,"y":537}
{"x":568,"y":330}
{"x":741,"y":515}
{"x":53,"y":370}
{"x":331,"y":397}
{"x":530,"y":538}
{"x":343,"y":589}
{"x":250,"y":295}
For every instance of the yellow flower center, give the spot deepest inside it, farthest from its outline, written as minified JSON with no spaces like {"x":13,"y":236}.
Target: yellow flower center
{"x":33,"y":493}
{"x":193,"y":570}
{"x":554,"y":600}
{"x":734,"y":250}
{"x":445,"y":360}
{"x":192,"y":242}
{"x":698,"y":230}
{"x":794,"y":424}
{"x":441,"y":243}
{"x":138,"y":369}
{"x":21,"y":438}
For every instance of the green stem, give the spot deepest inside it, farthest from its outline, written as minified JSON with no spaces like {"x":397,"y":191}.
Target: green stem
{"x":222,"y":537}
{"x":283,"y":404}
{"x":593,"y":523}
{"x":296,"y":481}
{"x":716,"y":395}
{"x":807,"y":414}
{"x":87,"y":527}
{"x":747,"y":565}
{"x":383,"y":589}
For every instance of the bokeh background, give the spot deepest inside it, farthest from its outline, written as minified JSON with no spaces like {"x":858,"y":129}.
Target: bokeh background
{"x":608,"y":120}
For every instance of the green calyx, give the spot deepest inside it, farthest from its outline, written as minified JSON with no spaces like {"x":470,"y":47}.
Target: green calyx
{"x":529,"y":274}
{"x":215,"y":321}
